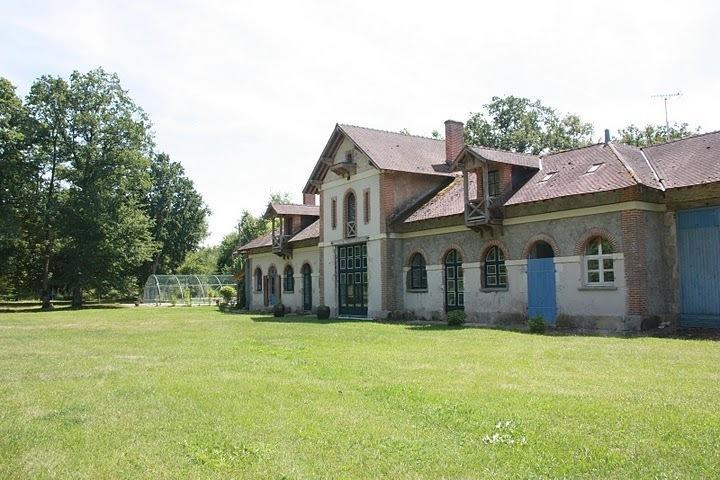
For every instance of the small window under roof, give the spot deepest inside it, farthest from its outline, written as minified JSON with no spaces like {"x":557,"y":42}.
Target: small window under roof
{"x":594,"y":167}
{"x":548,"y":176}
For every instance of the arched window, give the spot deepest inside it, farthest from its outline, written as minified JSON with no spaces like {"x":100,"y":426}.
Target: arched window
{"x":495,"y":273}
{"x":599,"y":262}
{"x":288,"y":279}
{"x":454,"y":282}
{"x":307,"y":287}
{"x":272,"y":277}
{"x":258,"y":280}
{"x":418,"y":273}
{"x":350,"y":216}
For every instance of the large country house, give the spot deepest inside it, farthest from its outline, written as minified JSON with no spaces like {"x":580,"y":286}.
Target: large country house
{"x":607,"y":237}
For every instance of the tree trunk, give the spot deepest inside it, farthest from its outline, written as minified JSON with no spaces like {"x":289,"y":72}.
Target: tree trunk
{"x":46,"y":300}
{"x":77,"y":300}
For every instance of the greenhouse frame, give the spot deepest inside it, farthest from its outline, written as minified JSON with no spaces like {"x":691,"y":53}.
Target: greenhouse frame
{"x":185,"y":289}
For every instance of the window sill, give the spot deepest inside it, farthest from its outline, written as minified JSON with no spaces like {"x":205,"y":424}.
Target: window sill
{"x":494,"y":289}
{"x":597,"y":287}
{"x":417,"y":290}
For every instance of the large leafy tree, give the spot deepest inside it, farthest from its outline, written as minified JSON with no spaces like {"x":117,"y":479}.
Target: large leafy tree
{"x":521,"y":125}
{"x":179,"y":216}
{"x":48,"y":108}
{"x":654,"y":134}
{"x":16,"y":190}
{"x":106,"y":228}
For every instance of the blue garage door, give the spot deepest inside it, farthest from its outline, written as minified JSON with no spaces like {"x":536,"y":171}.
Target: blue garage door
{"x":699,"y":257}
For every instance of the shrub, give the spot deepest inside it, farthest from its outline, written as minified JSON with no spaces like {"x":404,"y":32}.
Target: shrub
{"x":212,"y":293}
{"x":227,"y":293}
{"x":323,"y":312}
{"x":187,"y":298}
{"x":456,"y":318}
{"x":537,"y":324}
{"x":278,"y":310}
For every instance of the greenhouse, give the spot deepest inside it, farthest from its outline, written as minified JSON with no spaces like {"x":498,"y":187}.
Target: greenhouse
{"x":185,"y":289}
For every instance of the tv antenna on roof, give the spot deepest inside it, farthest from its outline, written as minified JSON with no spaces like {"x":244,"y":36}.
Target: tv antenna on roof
{"x":666,"y":97}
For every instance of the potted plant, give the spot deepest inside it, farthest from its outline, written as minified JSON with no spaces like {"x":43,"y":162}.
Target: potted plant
{"x":323,"y":312}
{"x":278,"y":310}
{"x":227,"y":293}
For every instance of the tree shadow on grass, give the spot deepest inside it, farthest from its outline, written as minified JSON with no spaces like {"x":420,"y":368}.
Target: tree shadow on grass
{"x":62,"y":308}
{"x":308,"y":319}
{"x":684,"y":334}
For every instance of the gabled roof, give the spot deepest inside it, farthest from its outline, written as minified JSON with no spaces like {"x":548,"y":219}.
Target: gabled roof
{"x":569,"y":172}
{"x":264,"y":240}
{"x":500,"y":156}
{"x":292,"y":209}
{"x":689,"y":161}
{"x":386,"y":150}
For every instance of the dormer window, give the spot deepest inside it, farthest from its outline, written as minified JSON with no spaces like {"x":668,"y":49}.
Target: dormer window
{"x":548,"y":176}
{"x":594,"y":167}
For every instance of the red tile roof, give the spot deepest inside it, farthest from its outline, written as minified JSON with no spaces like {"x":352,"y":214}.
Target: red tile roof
{"x":447,"y":202}
{"x":502,"y":156}
{"x":264,"y":240}
{"x":386,"y":150}
{"x":688,"y":161}
{"x":293,"y":209}
{"x":400,"y":152}
{"x":309,"y":232}
{"x":568,"y":175}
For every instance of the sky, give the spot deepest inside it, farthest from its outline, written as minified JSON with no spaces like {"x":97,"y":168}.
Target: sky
{"x":245,"y":94}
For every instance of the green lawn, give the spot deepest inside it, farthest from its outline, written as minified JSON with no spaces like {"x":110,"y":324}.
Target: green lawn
{"x":194,"y":393}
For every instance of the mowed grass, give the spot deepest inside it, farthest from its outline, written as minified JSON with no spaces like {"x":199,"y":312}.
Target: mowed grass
{"x":194,"y":393}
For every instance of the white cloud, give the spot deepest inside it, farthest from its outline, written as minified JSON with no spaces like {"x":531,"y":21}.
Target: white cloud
{"x":245,"y":94}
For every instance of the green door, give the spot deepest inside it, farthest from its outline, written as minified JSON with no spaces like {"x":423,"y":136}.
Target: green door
{"x":352,"y":280}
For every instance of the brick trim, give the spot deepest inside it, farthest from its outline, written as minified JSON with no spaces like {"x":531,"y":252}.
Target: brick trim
{"x":494,"y":243}
{"x":593,"y":233}
{"x":366,"y":206}
{"x":412,"y":254}
{"x":633,"y":225}
{"x":541,"y":237}
{"x":453,"y":246}
{"x":386,"y":199}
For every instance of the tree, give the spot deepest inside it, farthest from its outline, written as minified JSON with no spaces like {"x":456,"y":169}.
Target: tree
{"x":654,"y":134}
{"x":47,"y":104}
{"x":201,"y":261}
{"x":107,"y":229}
{"x":282,"y":198}
{"x":179,"y":216}
{"x":16,"y":190}
{"x":249,"y":228}
{"x":521,"y":125}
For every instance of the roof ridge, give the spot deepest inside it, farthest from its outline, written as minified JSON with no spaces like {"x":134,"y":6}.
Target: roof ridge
{"x":572,"y":149}
{"x":677,"y":139}
{"x":391,"y":132}
{"x":504,"y":151}
{"x":625,"y":164}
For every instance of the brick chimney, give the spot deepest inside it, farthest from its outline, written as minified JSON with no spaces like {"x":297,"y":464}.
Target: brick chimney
{"x":453,"y":140}
{"x":308,"y":199}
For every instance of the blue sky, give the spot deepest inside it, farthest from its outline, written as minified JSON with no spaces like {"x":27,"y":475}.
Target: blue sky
{"x":245,"y":94}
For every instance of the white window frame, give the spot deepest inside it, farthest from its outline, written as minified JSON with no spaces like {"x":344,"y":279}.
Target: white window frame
{"x":600,"y":257}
